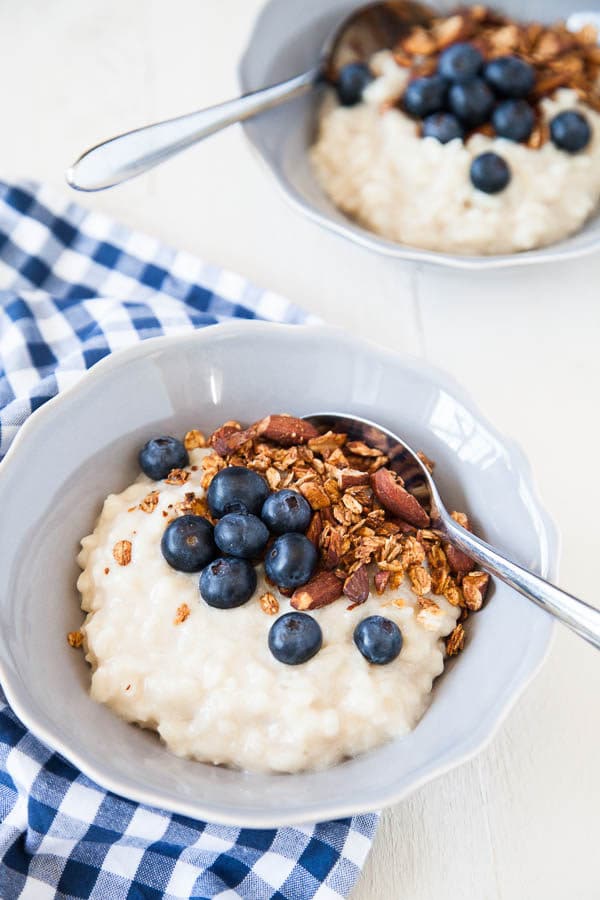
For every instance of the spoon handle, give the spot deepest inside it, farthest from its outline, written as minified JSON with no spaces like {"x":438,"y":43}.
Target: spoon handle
{"x":580,"y":617}
{"x":134,"y":152}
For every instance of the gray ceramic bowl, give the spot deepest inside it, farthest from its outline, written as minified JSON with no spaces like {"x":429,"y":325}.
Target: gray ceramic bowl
{"x":285,"y":41}
{"x":83,"y":445}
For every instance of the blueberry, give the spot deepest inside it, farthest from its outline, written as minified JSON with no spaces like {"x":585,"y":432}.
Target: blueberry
{"x":295,"y":638}
{"x":378,"y":639}
{"x":489,"y":173}
{"x":162,"y":454}
{"x":234,"y":485}
{"x":286,"y":511}
{"x":352,"y":80}
{"x":570,"y":131}
{"x":187,"y":543}
{"x":513,"y":119}
{"x":241,"y":535}
{"x":510,"y":76}
{"x":472,"y":102}
{"x":461,"y":62}
{"x":291,"y":560}
{"x":443,"y":127}
{"x":424,"y":96}
{"x":226,"y":583}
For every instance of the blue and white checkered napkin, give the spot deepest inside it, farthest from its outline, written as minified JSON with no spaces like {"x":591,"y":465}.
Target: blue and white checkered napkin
{"x":73,"y":286}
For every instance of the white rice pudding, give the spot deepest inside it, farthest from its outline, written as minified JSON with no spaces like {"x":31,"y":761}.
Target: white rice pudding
{"x":210,"y":686}
{"x":377,"y":169}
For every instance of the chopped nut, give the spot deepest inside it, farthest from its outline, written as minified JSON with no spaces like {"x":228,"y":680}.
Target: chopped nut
{"x":315,"y":495}
{"x":75,"y":639}
{"x":182,"y":613}
{"x":381,"y":580}
{"x":458,"y":561}
{"x":177,"y":476}
{"x":356,"y":586}
{"x":351,"y":477}
{"x":269,"y":604}
{"x":397,"y":500}
{"x":122,"y":552}
{"x":194,"y":439}
{"x":150,"y":502}
{"x":321,"y":590}
{"x":456,"y":641}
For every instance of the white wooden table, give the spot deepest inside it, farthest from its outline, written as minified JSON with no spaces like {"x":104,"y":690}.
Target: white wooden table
{"x":521,"y":821}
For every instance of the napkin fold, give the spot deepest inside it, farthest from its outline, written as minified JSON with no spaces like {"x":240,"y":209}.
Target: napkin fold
{"x":74,"y":286}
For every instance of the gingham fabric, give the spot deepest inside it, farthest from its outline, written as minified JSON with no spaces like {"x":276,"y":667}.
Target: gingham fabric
{"x":74,"y":286}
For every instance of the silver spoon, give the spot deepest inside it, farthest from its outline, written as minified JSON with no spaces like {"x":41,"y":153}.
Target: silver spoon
{"x":581,"y":618}
{"x":370,"y":28}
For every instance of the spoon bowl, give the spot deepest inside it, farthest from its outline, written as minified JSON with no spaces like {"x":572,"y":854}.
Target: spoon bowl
{"x":577,"y":615}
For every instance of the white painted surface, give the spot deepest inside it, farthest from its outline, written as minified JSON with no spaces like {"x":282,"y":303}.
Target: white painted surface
{"x":521,"y":821}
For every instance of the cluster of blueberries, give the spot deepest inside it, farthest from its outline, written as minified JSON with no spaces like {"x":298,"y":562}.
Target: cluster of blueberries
{"x":249,"y":516}
{"x":467,"y":92}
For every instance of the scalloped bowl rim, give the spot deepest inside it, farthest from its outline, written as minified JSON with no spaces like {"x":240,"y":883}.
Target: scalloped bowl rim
{"x":551,"y":253}
{"x":478,"y":738}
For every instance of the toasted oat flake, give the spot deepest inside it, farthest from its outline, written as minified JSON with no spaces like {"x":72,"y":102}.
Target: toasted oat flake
{"x":420,"y":580}
{"x":456,"y":641}
{"x":122,"y":552}
{"x":75,"y":639}
{"x":428,"y":614}
{"x":474,"y":587}
{"x":359,"y":448}
{"x":269,"y":604}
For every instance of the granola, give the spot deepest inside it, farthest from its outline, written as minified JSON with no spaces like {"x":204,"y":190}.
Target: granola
{"x":205,"y":674}
{"x":467,"y":165}
{"x":357,"y":502}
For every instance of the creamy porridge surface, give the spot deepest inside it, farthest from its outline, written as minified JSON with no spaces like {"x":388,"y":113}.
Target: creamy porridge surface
{"x":209,"y":684}
{"x":377,"y":169}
